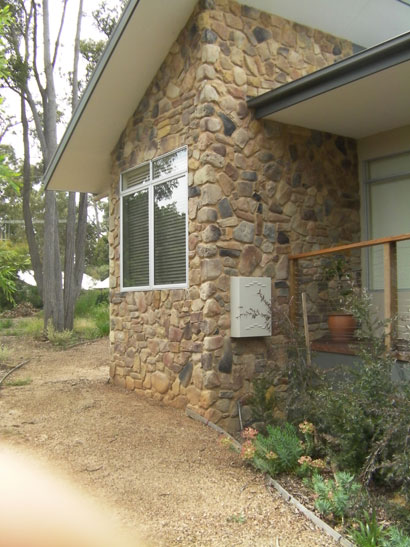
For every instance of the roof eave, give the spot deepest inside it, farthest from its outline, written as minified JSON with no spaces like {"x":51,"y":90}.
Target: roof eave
{"x":92,"y":84}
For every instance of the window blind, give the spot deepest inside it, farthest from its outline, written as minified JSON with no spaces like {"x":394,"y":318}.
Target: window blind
{"x":161,"y":206}
{"x":135,"y":244}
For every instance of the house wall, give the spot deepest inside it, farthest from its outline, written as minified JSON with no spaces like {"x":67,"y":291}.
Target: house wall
{"x":257,"y":192}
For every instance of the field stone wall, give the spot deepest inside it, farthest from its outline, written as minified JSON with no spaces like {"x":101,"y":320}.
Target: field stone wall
{"x":258,"y":190}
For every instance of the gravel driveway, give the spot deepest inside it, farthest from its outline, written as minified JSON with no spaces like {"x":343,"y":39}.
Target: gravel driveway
{"x":161,"y":473}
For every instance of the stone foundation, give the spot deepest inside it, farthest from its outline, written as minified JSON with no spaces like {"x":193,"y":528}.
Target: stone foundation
{"x":258,"y":191}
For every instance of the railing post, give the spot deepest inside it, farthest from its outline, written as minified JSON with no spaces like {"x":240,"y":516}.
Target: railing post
{"x":293,"y":289}
{"x":390,"y":291}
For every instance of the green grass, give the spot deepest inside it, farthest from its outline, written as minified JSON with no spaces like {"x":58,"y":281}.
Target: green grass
{"x":89,"y":300}
{"x":5,"y":323}
{"x":92,"y":321}
{"x":26,"y":326}
{"x":4,"y":354}
{"x":92,"y":315}
{"x":20,"y":382}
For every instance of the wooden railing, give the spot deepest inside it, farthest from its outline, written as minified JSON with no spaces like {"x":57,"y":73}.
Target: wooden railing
{"x":389,"y":269}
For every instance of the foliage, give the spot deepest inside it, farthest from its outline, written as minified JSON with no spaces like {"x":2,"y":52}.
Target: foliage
{"x":28,"y":326}
{"x":93,"y":305}
{"x":278,"y":451}
{"x":105,"y":18}
{"x":263,"y":400}
{"x":365,"y":415}
{"x":5,"y":323}
{"x":91,"y":50}
{"x":4,"y":354}
{"x":8,"y":177}
{"x":302,"y":375}
{"x":88,"y":300}
{"x":59,"y":338}
{"x":28,"y":293}
{"x":238,"y":518}
{"x":338,"y":274}
{"x":33,"y":78}
{"x":395,"y":538}
{"x":398,"y":511}
{"x":338,"y":496}
{"x":101,"y":315}
{"x":20,"y":382}
{"x":96,"y":257}
{"x":368,"y":532}
{"x":5,"y":19}
{"x":12,"y":259}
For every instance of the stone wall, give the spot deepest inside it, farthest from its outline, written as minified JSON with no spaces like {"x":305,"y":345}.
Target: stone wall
{"x":257,"y":191}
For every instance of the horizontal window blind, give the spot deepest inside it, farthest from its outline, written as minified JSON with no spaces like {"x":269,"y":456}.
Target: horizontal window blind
{"x":135,"y":177}
{"x":135,"y":246}
{"x":161,"y":206}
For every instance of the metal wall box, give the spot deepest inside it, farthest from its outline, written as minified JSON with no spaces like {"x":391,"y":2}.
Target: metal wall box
{"x":249,"y":296}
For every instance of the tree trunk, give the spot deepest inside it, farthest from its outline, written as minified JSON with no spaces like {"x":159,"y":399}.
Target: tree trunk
{"x":52,"y":294}
{"x":28,"y":218}
{"x":69,"y":287}
{"x":53,"y":290}
{"x":58,"y":301}
{"x":75,"y":240}
{"x":80,"y":239}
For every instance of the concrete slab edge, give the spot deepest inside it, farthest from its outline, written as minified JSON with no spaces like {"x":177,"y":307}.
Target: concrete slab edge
{"x":271,"y":482}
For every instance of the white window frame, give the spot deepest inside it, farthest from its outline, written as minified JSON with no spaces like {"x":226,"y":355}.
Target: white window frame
{"x":150,"y":185}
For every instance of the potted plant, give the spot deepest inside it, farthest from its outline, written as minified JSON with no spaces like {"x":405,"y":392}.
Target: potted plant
{"x":341,"y":322}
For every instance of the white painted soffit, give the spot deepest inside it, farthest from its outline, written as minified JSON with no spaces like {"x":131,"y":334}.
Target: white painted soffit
{"x":139,"y":45}
{"x":374,"y":104}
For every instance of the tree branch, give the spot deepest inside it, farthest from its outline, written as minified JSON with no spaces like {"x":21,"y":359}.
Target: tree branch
{"x":76,"y":56}
{"x":57,"y":42}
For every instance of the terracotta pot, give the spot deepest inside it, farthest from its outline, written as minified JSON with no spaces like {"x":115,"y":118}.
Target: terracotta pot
{"x":341,"y":326}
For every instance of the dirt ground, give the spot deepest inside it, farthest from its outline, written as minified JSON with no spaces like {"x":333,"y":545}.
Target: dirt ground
{"x":162,"y":474}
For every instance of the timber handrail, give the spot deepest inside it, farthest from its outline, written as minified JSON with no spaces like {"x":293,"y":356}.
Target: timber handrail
{"x":348,"y":246}
{"x":389,"y":270}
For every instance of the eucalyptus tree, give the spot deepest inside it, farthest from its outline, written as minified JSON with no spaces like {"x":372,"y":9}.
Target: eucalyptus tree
{"x":32,"y":61}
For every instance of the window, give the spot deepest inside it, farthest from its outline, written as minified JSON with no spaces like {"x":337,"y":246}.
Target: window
{"x":388,"y":204}
{"x":154,"y":202}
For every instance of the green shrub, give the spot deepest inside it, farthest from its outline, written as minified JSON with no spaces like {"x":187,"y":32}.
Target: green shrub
{"x":13,"y":258}
{"x":86,"y":302}
{"x":5,"y":323}
{"x":338,"y":496}
{"x":27,"y":326}
{"x":364,"y":417}
{"x":101,"y":315}
{"x":368,"y":533}
{"x":59,"y":338}
{"x":395,"y":538}
{"x":278,"y":451}
{"x":27,"y":293}
{"x":263,"y":400}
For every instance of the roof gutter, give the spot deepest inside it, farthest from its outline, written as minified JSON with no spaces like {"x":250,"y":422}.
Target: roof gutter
{"x":92,"y":84}
{"x":360,"y":65}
